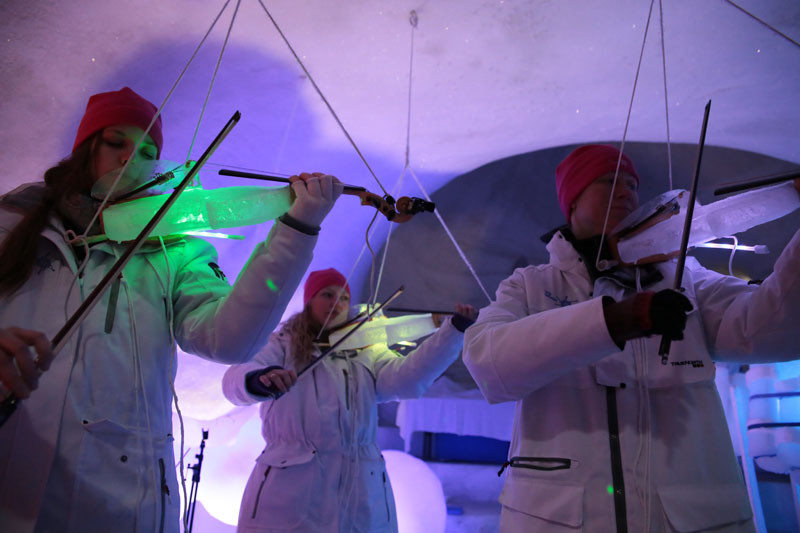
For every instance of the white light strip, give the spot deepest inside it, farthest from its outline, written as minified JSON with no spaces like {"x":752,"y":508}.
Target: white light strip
{"x":216,"y":235}
{"x":758,"y":248}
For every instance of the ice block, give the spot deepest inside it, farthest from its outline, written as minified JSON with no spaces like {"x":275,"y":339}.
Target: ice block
{"x":197,"y":209}
{"x":724,"y":218}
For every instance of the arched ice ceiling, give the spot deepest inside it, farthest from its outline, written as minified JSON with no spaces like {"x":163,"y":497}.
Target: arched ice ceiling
{"x":490,"y":79}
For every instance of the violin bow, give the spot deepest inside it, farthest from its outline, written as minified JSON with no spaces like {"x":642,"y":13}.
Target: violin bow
{"x":759,"y":182}
{"x":9,"y":404}
{"x":663,"y":350}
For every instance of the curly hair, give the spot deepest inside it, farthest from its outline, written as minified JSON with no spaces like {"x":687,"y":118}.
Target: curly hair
{"x":302,"y":330}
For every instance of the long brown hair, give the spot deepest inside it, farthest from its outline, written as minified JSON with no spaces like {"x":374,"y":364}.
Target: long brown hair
{"x":302,"y":330}
{"x":18,"y":251}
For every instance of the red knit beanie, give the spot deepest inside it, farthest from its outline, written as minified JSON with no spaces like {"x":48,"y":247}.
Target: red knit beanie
{"x":319,"y":279}
{"x":584,"y":165}
{"x":118,"y":107}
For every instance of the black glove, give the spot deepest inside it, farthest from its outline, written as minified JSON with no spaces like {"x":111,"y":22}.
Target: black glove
{"x":645,"y":314}
{"x":254,"y":385}
{"x":668,"y":310}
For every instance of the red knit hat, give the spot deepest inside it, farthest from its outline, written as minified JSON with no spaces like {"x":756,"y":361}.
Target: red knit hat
{"x":118,"y":107}
{"x":584,"y":165}
{"x":319,"y":279}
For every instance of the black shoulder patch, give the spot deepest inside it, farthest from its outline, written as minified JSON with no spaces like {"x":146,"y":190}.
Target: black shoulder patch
{"x":218,"y":271}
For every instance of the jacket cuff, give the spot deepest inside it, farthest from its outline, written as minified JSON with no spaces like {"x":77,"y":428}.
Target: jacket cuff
{"x":253,"y":384}
{"x":302,"y":227}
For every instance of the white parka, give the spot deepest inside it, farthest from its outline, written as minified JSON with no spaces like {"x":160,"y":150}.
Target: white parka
{"x":91,"y":449}
{"x":544,"y":344}
{"x":322,"y":469}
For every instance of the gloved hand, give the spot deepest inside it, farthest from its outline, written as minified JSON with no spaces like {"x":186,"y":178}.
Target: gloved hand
{"x":271,"y":382}
{"x":315,"y":195}
{"x":645,"y":314}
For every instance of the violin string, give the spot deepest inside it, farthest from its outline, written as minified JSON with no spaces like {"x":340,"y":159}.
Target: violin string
{"x":624,"y":136}
{"x":451,"y":237}
{"x":211,"y":85}
{"x":774,"y":29}
{"x":322,"y":96}
{"x":666,"y":97}
{"x":152,"y":122}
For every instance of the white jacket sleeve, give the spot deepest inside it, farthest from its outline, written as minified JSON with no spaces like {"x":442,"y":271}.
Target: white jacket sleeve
{"x":230,"y":325}
{"x":752,"y":323}
{"x":233,"y":381}
{"x":399,"y":377}
{"x":512,"y":350}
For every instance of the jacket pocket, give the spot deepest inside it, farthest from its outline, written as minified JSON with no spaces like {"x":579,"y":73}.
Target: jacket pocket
{"x":559,"y":503}
{"x":110,"y":451}
{"x":281,"y":497}
{"x":704,"y":507}
{"x":546,"y":464}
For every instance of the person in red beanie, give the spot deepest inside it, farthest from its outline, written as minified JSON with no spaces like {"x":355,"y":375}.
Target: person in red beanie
{"x":322,"y":469}
{"x":90,"y":446}
{"x":606,"y":438}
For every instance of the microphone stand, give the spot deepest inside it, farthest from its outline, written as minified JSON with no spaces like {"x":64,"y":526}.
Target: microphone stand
{"x":188,"y":517}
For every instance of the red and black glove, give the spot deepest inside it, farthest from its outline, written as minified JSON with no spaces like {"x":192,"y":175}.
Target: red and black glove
{"x":645,"y":314}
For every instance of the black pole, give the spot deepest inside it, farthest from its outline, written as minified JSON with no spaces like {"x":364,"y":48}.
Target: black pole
{"x":191,"y":504}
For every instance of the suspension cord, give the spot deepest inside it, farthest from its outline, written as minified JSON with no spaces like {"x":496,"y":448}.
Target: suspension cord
{"x":153,"y":121}
{"x":666,"y":98}
{"x":322,"y":96}
{"x":211,"y":85}
{"x":624,"y":136}
{"x":774,"y":29}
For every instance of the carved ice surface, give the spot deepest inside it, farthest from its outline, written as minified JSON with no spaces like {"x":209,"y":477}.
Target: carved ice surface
{"x":724,"y":218}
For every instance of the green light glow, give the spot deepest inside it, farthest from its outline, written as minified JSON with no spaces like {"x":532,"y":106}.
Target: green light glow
{"x":271,"y":285}
{"x":610,"y":489}
{"x":214,"y":234}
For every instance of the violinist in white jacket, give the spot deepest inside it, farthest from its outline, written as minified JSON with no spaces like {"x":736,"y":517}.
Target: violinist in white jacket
{"x":89,"y":448}
{"x":322,"y":469}
{"x":605,"y":437}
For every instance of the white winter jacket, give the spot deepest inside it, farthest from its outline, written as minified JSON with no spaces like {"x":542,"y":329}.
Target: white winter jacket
{"x":603,"y":437}
{"x":91,"y":449}
{"x":322,"y":469}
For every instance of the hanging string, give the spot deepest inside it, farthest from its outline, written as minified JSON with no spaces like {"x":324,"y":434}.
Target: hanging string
{"x":452,"y":239}
{"x":152,"y":122}
{"x":740,"y":8}
{"x":624,"y":136}
{"x":398,"y":187}
{"x":371,"y":228}
{"x":666,"y":98}
{"x":413,"y":20}
{"x":322,"y":96}
{"x":211,"y":85}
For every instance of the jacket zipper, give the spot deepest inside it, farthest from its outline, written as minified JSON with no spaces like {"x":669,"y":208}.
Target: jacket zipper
{"x":620,"y":511}
{"x":164,"y":492}
{"x":346,"y":388}
{"x":537,"y":463}
{"x":260,"y":488}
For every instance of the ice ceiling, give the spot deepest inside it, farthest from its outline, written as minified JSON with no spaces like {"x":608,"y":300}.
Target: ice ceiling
{"x":489,"y":79}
